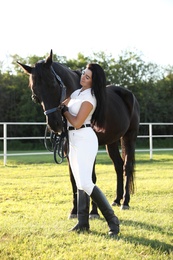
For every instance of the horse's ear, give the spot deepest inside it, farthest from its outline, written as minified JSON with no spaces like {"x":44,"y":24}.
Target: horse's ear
{"x":49,"y":59}
{"x":27,"y":69}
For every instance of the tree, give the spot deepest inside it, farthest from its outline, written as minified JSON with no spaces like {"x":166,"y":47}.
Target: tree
{"x":151,"y":85}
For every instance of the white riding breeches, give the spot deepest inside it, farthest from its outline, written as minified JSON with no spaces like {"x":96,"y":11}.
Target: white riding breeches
{"x":83,"y":147}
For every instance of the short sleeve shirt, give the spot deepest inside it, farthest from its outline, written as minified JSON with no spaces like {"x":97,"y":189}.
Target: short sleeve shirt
{"x":77,"y":98}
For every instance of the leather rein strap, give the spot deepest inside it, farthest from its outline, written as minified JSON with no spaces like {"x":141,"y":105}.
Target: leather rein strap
{"x":63,"y":94}
{"x":58,"y":141}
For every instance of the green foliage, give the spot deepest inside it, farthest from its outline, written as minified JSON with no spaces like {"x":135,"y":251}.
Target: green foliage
{"x":77,"y":64}
{"x":152,"y":85}
{"x":37,"y":198}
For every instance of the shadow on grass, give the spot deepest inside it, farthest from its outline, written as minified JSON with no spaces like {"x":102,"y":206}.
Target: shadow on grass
{"x":154,"y":243}
{"x":145,"y":226}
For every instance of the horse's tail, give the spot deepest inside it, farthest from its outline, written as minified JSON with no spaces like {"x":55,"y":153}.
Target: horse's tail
{"x":128,"y":141}
{"x":128,"y":156}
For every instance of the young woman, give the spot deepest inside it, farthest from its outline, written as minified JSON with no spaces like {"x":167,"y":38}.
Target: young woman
{"x":85,"y":110}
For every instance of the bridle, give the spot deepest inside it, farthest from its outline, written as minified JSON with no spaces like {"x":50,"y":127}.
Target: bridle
{"x":57,"y":140}
{"x":63,"y":93}
{"x":35,"y":99}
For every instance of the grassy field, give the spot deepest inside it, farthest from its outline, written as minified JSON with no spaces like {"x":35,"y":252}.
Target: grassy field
{"x":36,"y":198}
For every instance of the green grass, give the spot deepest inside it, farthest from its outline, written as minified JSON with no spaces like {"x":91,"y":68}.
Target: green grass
{"x":36,"y":198}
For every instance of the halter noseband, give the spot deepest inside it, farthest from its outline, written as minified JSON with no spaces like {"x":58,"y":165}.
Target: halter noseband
{"x":63,"y":94}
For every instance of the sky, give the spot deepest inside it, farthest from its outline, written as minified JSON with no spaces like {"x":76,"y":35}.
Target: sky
{"x":69,"y":27}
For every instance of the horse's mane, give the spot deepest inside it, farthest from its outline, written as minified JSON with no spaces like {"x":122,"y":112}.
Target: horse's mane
{"x":39,"y":70}
{"x":78,"y":72}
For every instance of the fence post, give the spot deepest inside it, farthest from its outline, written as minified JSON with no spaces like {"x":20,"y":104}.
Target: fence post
{"x":5,"y":143}
{"x":151,"y":141}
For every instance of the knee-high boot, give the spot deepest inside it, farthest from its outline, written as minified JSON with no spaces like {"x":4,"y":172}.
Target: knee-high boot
{"x":105,"y":208}
{"x":83,"y":202}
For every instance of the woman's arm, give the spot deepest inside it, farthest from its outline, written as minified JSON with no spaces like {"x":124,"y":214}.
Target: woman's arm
{"x":78,"y":120}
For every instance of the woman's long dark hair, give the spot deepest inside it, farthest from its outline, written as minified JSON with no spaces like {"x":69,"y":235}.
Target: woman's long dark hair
{"x":99,"y":90}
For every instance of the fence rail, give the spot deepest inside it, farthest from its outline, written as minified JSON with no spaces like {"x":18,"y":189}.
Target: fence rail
{"x":5,"y":138}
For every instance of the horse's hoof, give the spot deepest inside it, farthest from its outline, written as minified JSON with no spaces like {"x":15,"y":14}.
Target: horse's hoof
{"x":124,"y":207}
{"x":72,"y":216}
{"x":116,"y":204}
{"x":94,"y":216}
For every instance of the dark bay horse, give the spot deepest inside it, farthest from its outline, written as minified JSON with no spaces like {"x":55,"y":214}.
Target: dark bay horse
{"x":47,"y":80}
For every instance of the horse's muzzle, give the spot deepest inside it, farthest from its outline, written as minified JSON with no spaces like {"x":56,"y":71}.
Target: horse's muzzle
{"x":54,"y":123}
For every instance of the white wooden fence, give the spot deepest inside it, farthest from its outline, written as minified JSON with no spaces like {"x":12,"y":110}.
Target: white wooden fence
{"x":5,"y":138}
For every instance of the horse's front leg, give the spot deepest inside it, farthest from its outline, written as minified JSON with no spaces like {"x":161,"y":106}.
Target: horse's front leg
{"x":73,"y":213}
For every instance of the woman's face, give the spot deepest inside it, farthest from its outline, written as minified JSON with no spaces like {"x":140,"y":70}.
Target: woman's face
{"x":86,"y":78}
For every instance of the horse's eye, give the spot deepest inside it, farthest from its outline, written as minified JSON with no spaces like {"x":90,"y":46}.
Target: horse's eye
{"x":35,"y":99}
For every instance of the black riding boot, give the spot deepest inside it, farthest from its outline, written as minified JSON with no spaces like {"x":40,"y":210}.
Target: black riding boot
{"x":105,"y":208}
{"x":83,"y":202}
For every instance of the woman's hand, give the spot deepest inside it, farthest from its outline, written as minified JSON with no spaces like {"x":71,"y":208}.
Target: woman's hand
{"x":64,"y":109}
{"x":65,"y":102}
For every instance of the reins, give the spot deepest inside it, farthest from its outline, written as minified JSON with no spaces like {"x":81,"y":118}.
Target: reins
{"x":59,"y":142}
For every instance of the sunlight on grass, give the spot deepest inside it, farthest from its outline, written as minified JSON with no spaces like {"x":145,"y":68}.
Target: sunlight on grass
{"x":36,"y":198}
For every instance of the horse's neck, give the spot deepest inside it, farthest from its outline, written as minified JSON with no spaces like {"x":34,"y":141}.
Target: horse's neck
{"x":70,"y":79}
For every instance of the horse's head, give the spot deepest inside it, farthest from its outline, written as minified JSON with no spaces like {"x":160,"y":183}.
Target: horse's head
{"x":47,"y":89}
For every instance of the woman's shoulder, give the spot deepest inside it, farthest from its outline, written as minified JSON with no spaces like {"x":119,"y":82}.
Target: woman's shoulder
{"x":89,"y":96}
{"x":89,"y":93}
